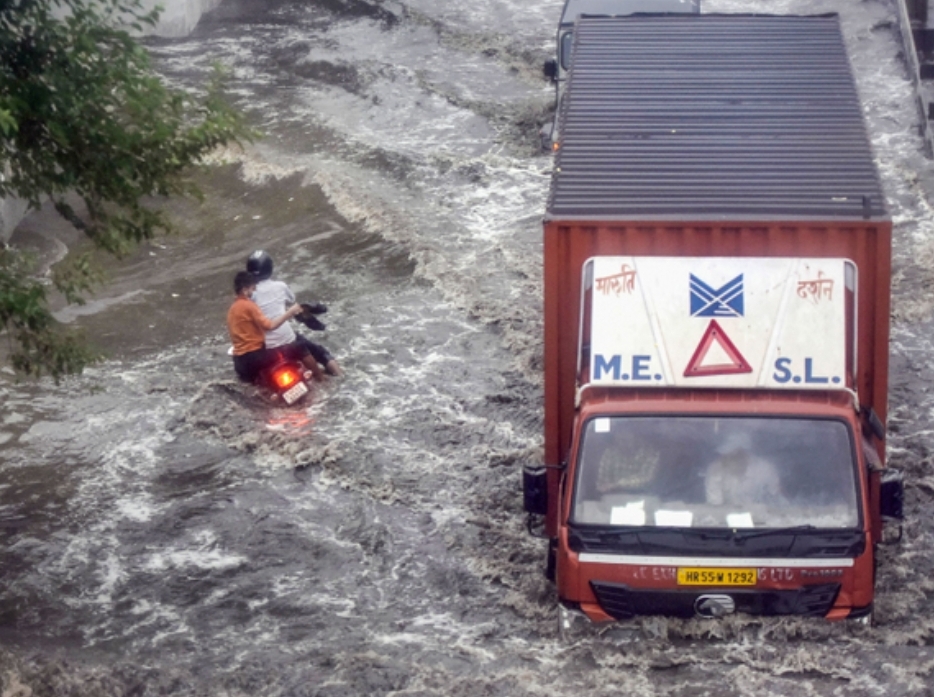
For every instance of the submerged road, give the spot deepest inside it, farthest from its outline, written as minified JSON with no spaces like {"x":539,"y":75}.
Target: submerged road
{"x":169,"y":534}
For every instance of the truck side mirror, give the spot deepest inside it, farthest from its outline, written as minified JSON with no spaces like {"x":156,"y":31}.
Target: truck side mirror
{"x":550,"y":69}
{"x":892,"y":495}
{"x":876,"y":427}
{"x":535,"y":489}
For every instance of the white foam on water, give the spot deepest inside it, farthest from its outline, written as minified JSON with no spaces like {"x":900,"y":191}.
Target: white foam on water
{"x":14,"y":418}
{"x":253,"y":170}
{"x":201,"y":552}
{"x":70,"y":313}
{"x":111,"y":573}
{"x":178,"y":17}
{"x":139,"y":510}
{"x":521,"y":23}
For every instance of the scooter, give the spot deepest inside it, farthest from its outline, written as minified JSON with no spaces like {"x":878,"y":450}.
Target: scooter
{"x":288,"y":379}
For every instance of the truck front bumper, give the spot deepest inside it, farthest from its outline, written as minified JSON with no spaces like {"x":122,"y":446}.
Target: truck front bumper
{"x":620,"y":601}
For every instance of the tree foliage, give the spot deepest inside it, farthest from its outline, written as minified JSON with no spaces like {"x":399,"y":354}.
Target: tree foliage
{"x":83,"y":112}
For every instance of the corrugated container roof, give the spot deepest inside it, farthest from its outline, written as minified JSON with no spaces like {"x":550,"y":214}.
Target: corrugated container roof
{"x":715,"y":117}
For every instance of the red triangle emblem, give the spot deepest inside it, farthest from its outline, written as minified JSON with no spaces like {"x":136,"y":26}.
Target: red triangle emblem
{"x":736,"y":363}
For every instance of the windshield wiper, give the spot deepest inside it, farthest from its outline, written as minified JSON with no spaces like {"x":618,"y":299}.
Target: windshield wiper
{"x":742,"y":534}
{"x":735,"y":533}
{"x":703,"y":533}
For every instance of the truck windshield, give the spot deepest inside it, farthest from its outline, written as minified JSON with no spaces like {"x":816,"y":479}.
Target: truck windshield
{"x":716,"y":473}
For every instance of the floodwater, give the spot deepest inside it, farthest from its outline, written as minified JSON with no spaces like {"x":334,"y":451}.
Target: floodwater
{"x":169,"y":533}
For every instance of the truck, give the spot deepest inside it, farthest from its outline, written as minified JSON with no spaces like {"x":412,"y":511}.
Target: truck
{"x":556,"y":69}
{"x":716,"y":280}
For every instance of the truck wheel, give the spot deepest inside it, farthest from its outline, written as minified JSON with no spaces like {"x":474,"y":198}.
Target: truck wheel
{"x":867,"y":617}
{"x":572,"y":625}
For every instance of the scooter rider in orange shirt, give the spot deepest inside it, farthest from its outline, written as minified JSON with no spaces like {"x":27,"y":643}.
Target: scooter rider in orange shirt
{"x":247,"y":326}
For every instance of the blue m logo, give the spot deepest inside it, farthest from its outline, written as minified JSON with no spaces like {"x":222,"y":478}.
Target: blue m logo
{"x":726,"y":301}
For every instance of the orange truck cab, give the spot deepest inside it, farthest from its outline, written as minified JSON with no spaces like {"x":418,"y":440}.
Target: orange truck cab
{"x":716,"y":282}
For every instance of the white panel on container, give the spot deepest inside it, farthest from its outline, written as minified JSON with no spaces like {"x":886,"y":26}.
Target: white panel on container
{"x":719,"y":322}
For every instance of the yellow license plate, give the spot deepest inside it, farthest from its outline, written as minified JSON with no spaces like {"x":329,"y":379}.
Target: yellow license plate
{"x":694,"y":576}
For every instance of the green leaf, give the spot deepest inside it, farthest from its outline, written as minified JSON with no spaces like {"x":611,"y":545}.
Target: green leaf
{"x":8,"y":124}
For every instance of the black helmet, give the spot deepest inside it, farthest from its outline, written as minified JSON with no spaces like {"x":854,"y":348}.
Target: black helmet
{"x":259,"y":264}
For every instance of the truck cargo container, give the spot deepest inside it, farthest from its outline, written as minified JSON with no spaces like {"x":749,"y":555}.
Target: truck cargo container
{"x":556,"y":69}
{"x":717,"y":261}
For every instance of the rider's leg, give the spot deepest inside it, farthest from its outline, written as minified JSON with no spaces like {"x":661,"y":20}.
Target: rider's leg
{"x":309,"y":361}
{"x":321,"y":355}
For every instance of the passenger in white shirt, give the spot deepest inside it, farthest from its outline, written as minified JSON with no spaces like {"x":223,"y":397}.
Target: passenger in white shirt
{"x":272,"y":296}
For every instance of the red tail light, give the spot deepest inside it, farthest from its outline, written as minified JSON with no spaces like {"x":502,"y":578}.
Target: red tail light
{"x":285,"y":377}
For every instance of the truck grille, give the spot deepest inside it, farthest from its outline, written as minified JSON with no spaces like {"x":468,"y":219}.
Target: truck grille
{"x":622,"y":602}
